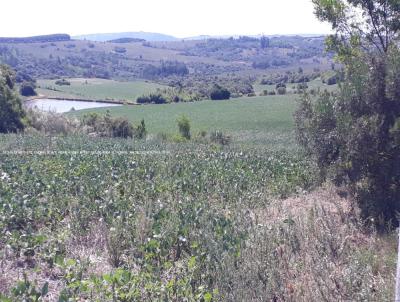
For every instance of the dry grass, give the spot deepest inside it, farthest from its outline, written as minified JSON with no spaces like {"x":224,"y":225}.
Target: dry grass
{"x":312,"y":248}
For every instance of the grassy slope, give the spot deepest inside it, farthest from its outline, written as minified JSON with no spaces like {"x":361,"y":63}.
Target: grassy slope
{"x":98,"y":89}
{"x":256,"y":120}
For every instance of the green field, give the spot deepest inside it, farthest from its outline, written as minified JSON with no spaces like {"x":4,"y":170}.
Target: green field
{"x":262,"y":120}
{"x":291,"y":87}
{"x":97,"y":89}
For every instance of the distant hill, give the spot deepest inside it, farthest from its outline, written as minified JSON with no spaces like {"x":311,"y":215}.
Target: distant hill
{"x":135,"y":35}
{"x":127,"y":40}
{"x":36,"y":39}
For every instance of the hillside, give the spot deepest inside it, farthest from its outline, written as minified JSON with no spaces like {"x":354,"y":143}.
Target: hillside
{"x":137,"y":59}
{"x":192,"y":65}
{"x":103,"y":37}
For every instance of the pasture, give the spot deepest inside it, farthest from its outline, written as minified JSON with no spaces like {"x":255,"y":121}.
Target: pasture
{"x":97,"y":89}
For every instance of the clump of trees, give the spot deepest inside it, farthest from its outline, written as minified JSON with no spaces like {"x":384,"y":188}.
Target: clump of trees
{"x":27,"y":89}
{"x":153,"y":98}
{"x":120,"y":49}
{"x":11,"y":112}
{"x":354,"y":135}
{"x":107,"y":126}
{"x":63,"y":82}
{"x":219,"y":93}
{"x":165,"y":69}
{"x":37,"y":39}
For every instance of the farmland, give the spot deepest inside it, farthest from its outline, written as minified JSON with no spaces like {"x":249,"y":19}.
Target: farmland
{"x":182,"y":198}
{"x":154,"y":221}
{"x":249,"y":120}
{"x":151,"y":220}
{"x":97,"y":89}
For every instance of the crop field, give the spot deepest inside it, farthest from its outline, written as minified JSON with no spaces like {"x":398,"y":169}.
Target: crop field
{"x":257,"y":120}
{"x":97,"y":89}
{"x":120,"y":220}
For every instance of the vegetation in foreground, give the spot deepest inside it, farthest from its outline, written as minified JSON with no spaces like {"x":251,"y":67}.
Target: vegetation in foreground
{"x":154,"y":221}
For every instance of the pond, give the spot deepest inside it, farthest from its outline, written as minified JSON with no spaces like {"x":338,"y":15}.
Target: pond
{"x":62,"y":106}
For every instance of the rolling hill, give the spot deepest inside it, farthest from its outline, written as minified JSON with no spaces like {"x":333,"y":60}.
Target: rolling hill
{"x":103,"y":37}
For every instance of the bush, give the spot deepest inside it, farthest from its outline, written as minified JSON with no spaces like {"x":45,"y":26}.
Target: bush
{"x":331,"y":80}
{"x":151,"y":99}
{"x":27,"y":89}
{"x":121,"y":127}
{"x":107,"y":126}
{"x":62,"y":82}
{"x":140,"y":131}
{"x":11,"y":112}
{"x":219,"y":93}
{"x":220,"y":138}
{"x":354,"y":136}
{"x":184,"y":127}
{"x":52,"y":123}
{"x":120,"y":49}
{"x":281,"y":90}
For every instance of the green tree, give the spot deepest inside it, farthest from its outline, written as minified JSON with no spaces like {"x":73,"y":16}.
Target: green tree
{"x":184,"y":127}
{"x":354,"y":135}
{"x":219,"y":93}
{"x":11,"y":112}
{"x":140,"y":131}
{"x":27,"y":89}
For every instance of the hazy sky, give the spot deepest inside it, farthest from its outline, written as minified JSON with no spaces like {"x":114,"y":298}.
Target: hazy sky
{"x":181,"y":18}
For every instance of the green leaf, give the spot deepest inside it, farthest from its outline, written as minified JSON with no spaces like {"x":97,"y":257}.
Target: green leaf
{"x":207,"y":297}
{"x":45,"y":289}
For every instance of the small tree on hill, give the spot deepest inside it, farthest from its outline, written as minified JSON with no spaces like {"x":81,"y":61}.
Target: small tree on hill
{"x":220,"y":93}
{"x":184,"y":127}
{"x":27,"y":89}
{"x":140,"y":131}
{"x":11,"y":112}
{"x":264,"y":42}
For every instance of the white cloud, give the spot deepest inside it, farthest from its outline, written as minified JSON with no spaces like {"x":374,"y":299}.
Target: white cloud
{"x":176,"y":17}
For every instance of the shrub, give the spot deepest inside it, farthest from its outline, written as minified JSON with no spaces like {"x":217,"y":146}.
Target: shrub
{"x":11,"y":112}
{"x":281,"y":90}
{"x":220,"y":93}
{"x":184,"y":127}
{"x":120,"y":49}
{"x":140,"y":131}
{"x":27,"y":89}
{"x":220,"y":138}
{"x":52,"y":123}
{"x":331,"y":80}
{"x":151,"y":99}
{"x":62,"y":82}
{"x":107,"y":126}
{"x":120,"y":127}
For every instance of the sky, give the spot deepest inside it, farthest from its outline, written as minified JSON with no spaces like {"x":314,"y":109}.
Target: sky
{"x":180,"y":18}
